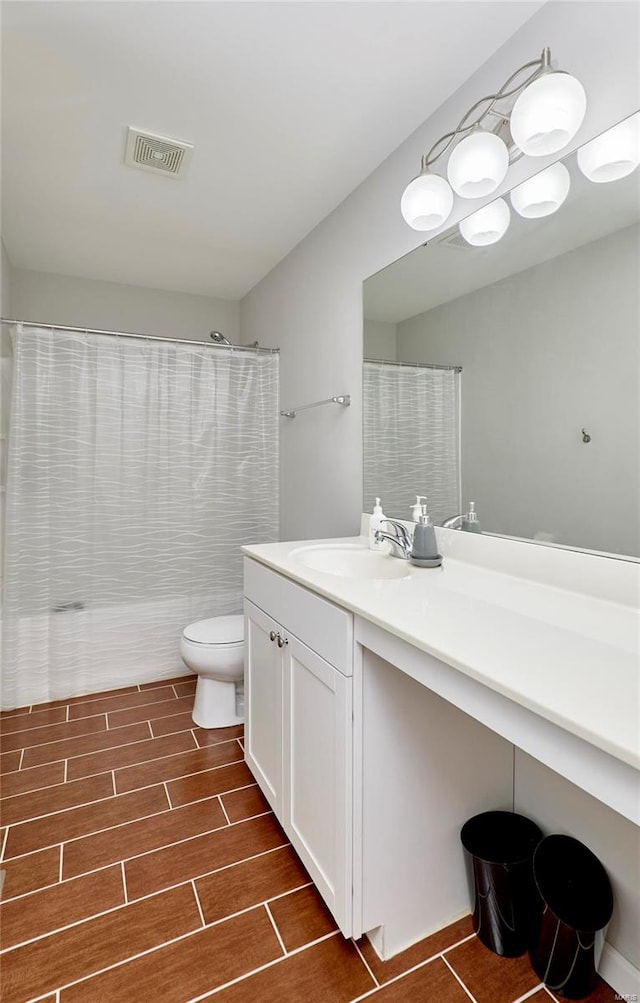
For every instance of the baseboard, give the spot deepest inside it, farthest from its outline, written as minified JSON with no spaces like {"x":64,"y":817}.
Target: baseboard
{"x":621,"y":975}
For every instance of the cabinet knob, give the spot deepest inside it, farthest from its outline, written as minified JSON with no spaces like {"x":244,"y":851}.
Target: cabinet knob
{"x":272,"y":635}
{"x":282,"y":641}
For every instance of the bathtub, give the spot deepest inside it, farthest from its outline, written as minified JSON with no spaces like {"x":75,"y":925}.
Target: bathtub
{"x":73,"y":651}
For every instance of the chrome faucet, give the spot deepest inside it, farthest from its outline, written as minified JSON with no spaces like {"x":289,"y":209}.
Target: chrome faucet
{"x":400,"y":540}
{"x":453,"y":522}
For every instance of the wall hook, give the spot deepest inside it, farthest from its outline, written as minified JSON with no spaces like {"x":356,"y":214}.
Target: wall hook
{"x":585,"y":436}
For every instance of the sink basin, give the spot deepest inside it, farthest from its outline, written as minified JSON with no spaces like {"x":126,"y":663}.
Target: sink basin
{"x":351,"y":561}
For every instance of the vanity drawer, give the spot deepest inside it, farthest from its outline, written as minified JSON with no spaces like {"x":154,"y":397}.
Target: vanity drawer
{"x":325,"y":628}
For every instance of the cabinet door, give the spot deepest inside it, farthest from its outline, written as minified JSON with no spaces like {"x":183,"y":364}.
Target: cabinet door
{"x":263,"y":703}
{"x":317,"y":773}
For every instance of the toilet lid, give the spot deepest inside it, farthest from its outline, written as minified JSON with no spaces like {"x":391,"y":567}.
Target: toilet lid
{"x":216,"y":630}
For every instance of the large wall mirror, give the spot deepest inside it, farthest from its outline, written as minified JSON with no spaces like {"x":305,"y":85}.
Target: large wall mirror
{"x":509,"y":374}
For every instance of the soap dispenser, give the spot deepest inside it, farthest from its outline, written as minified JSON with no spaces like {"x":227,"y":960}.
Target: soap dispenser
{"x":424,"y":553}
{"x":470,"y":522}
{"x":416,"y":510}
{"x":375,"y":523}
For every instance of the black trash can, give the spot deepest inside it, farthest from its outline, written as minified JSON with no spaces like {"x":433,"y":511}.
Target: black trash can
{"x":577,"y":903}
{"x":506,"y":909}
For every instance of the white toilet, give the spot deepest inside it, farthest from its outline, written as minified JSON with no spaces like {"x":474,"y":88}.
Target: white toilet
{"x":214,"y":649}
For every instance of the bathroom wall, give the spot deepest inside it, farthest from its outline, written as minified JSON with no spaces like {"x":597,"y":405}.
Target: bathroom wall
{"x":558,"y":806}
{"x":5,"y":275}
{"x":311,"y":303}
{"x":62,"y":299}
{"x":521,"y":342}
{"x":380,"y":339}
{"x":5,"y":297}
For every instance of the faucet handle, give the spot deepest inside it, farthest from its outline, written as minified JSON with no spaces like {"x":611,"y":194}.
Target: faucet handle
{"x":401,"y":530}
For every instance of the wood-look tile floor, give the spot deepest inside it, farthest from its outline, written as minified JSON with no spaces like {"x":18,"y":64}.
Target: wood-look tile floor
{"x":143,"y":864}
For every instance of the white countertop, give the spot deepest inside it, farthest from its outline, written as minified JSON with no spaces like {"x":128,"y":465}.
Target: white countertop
{"x":564,"y":653}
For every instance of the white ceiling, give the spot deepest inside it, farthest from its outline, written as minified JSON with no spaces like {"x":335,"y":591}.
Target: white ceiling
{"x":290,"y":106}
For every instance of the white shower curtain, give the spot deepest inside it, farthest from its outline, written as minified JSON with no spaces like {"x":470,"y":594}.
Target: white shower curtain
{"x":411,"y":438}
{"x":137,"y":470}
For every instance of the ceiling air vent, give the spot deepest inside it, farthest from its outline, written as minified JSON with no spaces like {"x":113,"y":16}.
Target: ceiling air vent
{"x":157,"y":153}
{"x":454,"y":239}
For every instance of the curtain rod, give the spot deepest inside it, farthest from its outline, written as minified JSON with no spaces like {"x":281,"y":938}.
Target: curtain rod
{"x":414,"y":365}
{"x":142,"y":337}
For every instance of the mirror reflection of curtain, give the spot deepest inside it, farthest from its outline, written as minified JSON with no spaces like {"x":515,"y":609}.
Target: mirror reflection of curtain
{"x":136,"y":472}
{"x":411,"y":438}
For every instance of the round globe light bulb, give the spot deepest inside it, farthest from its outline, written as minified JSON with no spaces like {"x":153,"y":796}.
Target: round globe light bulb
{"x":542,"y":194}
{"x":478,"y":165}
{"x":427,"y":202}
{"x":548,"y":114}
{"x":487,"y":225}
{"x":614,"y":154}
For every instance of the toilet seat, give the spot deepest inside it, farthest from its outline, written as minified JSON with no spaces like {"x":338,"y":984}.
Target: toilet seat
{"x":219,"y":630}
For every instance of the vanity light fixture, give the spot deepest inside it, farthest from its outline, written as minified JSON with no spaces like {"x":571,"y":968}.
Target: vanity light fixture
{"x":427,"y":201}
{"x":542,"y":194}
{"x":487,"y":225}
{"x":549,"y":109}
{"x":614,"y":154}
{"x":548,"y":113}
{"x":478,"y":165}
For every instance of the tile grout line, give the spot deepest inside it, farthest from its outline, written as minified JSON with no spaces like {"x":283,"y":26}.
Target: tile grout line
{"x":158,"y":759}
{"x":88,"y":698}
{"x":113,"y":783}
{"x":21,"y":759}
{"x":365,"y":962}
{"x":141,"y":818}
{"x":414,"y":968}
{"x":51,"y":787}
{"x":73,"y":738}
{"x":111,"y":748}
{"x":92,"y":717}
{"x":457,"y":977}
{"x":61,"y":865}
{"x":68,"y":738}
{"x":4,"y":842}
{"x":137,"y":856}
{"x":156,"y":947}
{"x":204,"y":874}
{"x":82,"y":804}
{"x":124,"y":883}
{"x":147,"y":762}
{"x":275,"y":929}
{"x":168,"y":796}
{"x":458,"y":943}
{"x":143,"y":898}
{"x":529,"y":993}
{"x":255,"y":971}
{"x":67,"y":709}
{"x":186,"y":776}
{"x":198,"y":903}
{"x":66,"y":771}
{"x":224,"y":810}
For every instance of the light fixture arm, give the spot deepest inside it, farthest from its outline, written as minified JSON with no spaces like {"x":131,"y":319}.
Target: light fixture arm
{"x":443,"y":144}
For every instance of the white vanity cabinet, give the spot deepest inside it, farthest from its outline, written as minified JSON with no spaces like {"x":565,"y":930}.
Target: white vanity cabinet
{"x":298,"y":712}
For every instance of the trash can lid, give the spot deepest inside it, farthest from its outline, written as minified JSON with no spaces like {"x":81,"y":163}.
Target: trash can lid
{"x":500,"y":837}
{"x":573,"y":883}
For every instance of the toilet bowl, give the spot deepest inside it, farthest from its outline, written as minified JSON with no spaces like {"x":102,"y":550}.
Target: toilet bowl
{"x":214,"y":649}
